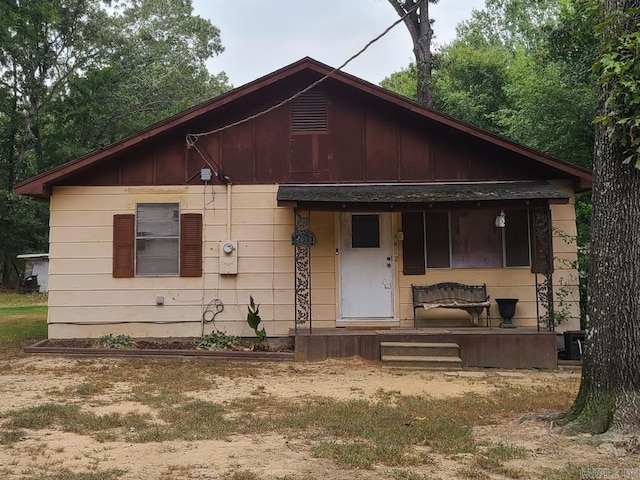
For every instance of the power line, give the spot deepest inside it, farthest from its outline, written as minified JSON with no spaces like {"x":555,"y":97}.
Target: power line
{"x":192,"y":138}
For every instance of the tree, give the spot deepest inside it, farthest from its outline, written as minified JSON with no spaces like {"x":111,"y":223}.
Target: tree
{"x":152,"y":66}
{"x":42,"y":44}
{"x":470,"y":82}
{"x":521,"y":69}
{"x":75,"y":75}
{"x":510,"y":23}
{"x":403,"y":82}
{"x":417,"y":21}
{"x":609,"y":394}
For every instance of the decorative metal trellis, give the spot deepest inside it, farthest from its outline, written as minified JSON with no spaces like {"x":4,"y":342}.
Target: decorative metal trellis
{"x":543,"y":268}
{"x":302,"y":240}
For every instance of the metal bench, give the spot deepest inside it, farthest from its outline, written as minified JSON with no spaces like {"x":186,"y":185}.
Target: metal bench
{"x":470,"y":298}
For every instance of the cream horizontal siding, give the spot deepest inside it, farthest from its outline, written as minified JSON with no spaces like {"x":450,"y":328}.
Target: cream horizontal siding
{"x":108,"y":298}
{"x":133,"y":329}
{"x":149,"y":312}
{"x":83,"y":289}
{"x":97,"y":281}
{"x":75,"y":250}
{"x":323,"y":270}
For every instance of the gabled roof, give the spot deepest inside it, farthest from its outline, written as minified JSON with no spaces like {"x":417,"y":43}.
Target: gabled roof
{"x":40,"y":185}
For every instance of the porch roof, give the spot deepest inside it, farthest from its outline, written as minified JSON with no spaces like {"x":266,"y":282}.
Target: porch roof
{"x":401,"y":196}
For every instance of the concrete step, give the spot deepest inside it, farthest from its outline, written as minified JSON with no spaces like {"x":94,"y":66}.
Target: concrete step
{"x":421,"y":361}
{"x":420,"y":349}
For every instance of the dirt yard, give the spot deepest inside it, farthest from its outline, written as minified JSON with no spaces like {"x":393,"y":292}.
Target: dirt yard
{"x":75,"y":419}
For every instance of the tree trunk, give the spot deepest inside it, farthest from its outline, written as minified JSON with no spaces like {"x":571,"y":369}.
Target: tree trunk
{"x":609,"y":395}
{"x":419,"y":25}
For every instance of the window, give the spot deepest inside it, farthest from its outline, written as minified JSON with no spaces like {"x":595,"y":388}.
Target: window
{"x":157,"y":238}
{"x":464,"y":239}
{"x":365,"y":231}
{"x":157,"y":241}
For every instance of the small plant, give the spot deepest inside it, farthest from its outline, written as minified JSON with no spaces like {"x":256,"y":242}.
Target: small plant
{"x":218,"y":340}
{"x":120,"y":341}
{"x":253,"y":319}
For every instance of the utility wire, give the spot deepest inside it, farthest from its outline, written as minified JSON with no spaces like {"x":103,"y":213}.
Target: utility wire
{"x":192,"y":138}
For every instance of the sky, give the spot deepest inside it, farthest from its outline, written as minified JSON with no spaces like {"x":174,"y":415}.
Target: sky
{"x":260,"y":36}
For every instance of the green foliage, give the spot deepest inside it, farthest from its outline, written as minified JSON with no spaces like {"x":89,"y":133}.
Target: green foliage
{"x":619,"y":73}
{"x":23,"y":229}
{"x":119,"y":341}
{"x":545,"y":111}
{"x":469,"y":82}
{"x":403,"y":83}
{"x":253,"y":319}
{"x":76,"y":75}
{"x":218,"y":340}
{"x":521,"y":69}
{"x":511,"y":23}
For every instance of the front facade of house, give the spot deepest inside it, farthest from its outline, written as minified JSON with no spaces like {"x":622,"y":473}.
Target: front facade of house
{"x":325,"y":209}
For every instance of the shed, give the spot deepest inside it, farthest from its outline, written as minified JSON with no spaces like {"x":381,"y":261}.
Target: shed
{"x":36,"y":271}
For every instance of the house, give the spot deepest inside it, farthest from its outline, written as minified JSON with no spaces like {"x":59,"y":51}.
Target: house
{"x":325,"y":204}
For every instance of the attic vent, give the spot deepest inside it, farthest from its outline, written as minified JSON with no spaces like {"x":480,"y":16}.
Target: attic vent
{"x":310,"y":112}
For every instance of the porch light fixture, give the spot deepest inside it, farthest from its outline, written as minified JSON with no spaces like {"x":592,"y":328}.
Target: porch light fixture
{"x":501,"y":220}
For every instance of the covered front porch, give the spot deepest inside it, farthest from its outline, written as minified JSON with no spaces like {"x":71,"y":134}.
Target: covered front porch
{"x":478,"y":347}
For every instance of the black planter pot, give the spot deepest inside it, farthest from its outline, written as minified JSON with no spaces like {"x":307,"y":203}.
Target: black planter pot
{"x":507,"y":308}
{"x":574,"y":344}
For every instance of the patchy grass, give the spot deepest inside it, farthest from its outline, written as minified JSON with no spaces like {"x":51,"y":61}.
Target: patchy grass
{"x":8,"y":299}
{"x":69,"y":475}
{"x":355,"y":434}
{"x":23,"y":320}
{"x":70,"y":418}
{"x":9,"y":437}
{"x":242,"y":475}
{"x":492,"y":458}
{"x":405,"y":433}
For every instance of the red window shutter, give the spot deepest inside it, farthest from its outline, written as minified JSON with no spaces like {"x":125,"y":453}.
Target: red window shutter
{"x":413,"y":243}
{"x":123,"y":245}
{"x":191,"y":245}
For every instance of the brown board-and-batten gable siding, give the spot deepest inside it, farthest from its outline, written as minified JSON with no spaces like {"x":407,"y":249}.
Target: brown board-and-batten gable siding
{"x":362,"y":143}
{"x":371,"y":136}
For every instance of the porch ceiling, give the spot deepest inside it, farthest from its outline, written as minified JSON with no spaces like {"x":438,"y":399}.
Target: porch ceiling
{"x":400,"y":196}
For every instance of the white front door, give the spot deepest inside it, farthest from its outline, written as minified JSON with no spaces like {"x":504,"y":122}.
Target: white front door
{"x":366,"y":266}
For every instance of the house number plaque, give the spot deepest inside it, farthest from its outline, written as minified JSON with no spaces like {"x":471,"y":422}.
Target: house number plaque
{"x":302,"y":238}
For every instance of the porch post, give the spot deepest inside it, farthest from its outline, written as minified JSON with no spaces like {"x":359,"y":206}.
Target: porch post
{"x":543,"y":266}
{"x":302,"y":239}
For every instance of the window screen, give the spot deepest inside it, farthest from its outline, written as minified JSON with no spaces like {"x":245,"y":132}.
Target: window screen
{"x":438,"y":251}
{"x":516,"y":239}
{"x":475,"y":240}
{"x":157,"y":238}
{"x":365,"y":231}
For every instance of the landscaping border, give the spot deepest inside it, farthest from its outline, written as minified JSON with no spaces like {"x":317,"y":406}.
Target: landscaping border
{"x":45,"y":347}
